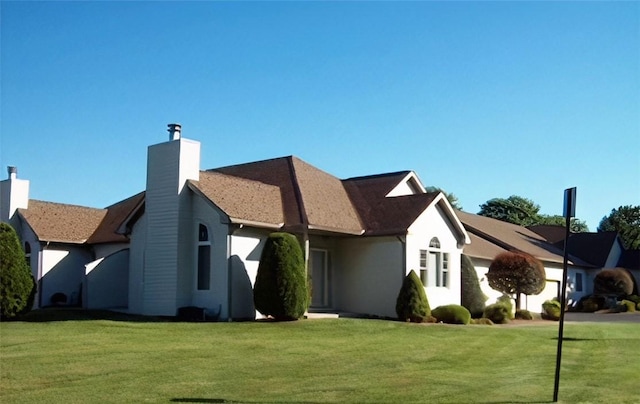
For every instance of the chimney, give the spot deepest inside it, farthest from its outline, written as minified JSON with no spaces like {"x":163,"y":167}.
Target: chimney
{"x":13,"y":172}
{"x":14,"y":195}
{"x":174,"y":131}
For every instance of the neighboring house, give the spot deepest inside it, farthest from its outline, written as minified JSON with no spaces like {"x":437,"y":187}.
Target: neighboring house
{"x":194,"y":238}
{"x":602,"y":250}
{"x":490,"y":237}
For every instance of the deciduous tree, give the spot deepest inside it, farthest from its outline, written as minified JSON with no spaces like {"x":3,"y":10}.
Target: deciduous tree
{"x":516,"y":273}
{"x":626,"y":221}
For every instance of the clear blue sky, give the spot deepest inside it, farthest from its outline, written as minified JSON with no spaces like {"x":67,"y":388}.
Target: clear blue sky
{"x":483,"y":99}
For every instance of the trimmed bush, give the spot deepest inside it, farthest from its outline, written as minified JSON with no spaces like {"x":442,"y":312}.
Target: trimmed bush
{"x":412,"y":304}
{"x":517,"y":273}
{"x":16,"y":282}
{"x":508,"y":302}
{"x":481,"y":321}
{"x":631,"y":306}
{"x":452,"y":314}
{"x":616,"y":282}
{"x":280,"y":289}
{"x":551,"y":310}
{"x":524,"y":315}
{"x":470,"y":292}
{"x":498,"y":313}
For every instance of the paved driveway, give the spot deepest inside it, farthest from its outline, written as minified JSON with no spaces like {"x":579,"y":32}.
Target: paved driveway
{"x":603,"y":317}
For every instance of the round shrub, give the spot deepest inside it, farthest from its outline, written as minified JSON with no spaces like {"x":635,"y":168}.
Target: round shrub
{"x":280,"y":290}
{"x":412,"y":304}
{"x":631,"y":306}
{"x":551,"y":310}
{"x":481,"y":321}
{"x":471,"y":295}
{"x":16,"y":282}
{"x":508,"y":302}
{"x":524,"y":315}
{"x":616,"y":281}
{"x":498,"y":313}
{"x":452,"y":314}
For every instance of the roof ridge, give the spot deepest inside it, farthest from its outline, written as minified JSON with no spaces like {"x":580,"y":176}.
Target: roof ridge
{"x":66,"y":204}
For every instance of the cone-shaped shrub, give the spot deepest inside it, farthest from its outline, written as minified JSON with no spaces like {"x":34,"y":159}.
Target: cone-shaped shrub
{"x":280,"y":290}
{"x":412,"y":304}
{"x":452,"y":314}
{"x":470,"y":292}
{"x":16,"y":282}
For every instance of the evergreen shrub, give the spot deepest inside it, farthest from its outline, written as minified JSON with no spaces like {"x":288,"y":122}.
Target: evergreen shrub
{"x":524,"y":315}
{"x":412,"y":304}
{"x":280,"y":289}
{"x":631,"y":306}
{"x":470,"y":292}
{"x":498,"y":313}
{"x":481,"y":321}
{"x":452,"y":314}
{"x":508,"y":302}
{"x":551,"y":310}
{"x":16,"y":282}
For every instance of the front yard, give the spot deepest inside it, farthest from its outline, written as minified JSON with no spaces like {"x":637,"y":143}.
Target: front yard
{"x":85,"y":359}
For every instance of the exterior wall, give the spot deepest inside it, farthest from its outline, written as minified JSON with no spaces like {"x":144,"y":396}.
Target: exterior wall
{"x":368,"y":274}
{"x":244,"y":257}
{"x":433,"y":223}
{"x":103,"y":250}
{"x":215,"y":299}
{"x":62,"y":271}
{"x":106,"y":284}
{"x":169,"y":165}
{"x":137,"y":255}
{"x":614,"y":255}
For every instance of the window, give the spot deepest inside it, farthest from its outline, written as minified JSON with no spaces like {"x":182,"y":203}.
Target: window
{"x":27,"y":253}
{"x":424,"y":274}
{"x":445,"y":270}
{"x":204,"y":258}
{"x":436,"y":263}
{"x":578,"y":285}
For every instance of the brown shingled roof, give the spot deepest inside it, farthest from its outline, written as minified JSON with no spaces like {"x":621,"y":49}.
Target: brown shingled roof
{"x":63,"y":223}
{"x":310,"y":197}
{"x":382,"y":215}
{"x":107,"y":231}
{"x":510,"y":237}
{"x":242,"y":199}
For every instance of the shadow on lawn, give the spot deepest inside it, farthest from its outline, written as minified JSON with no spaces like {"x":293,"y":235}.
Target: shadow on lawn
{"x":222,"y":400}
{"x":52,"y":314}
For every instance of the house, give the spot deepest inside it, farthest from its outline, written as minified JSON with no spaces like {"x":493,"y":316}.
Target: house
{"x":490,"y":237}
{"x":601,"y":250}
{"x":194,"y":237}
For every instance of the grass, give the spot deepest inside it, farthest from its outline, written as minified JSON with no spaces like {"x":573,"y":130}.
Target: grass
{"x":101,"y":357}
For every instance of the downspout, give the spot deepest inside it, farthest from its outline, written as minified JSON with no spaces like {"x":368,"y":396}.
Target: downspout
{"x":232,"y":228}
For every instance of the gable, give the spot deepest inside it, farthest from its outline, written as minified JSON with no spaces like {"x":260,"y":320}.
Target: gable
{"x":409,"y":185}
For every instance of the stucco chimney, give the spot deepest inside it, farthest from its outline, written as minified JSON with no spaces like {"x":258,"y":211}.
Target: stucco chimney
{"x":174,"y":131}
{"x":13,"y":172}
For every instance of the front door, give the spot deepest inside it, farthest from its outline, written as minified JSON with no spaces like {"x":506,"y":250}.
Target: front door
{"x":319,"y":278}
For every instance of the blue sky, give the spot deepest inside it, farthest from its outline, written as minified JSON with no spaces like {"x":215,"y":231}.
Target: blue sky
{"x":482,"y":99}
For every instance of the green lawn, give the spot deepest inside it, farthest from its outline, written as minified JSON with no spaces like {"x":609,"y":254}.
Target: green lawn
{"x":91,"y":359}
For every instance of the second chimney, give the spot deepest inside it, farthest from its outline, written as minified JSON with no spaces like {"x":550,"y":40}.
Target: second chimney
{"x":174,"y":131}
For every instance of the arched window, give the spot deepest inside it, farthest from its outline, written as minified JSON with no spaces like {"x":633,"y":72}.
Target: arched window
{"x":434,"y":264}
{"x":204,"y":258}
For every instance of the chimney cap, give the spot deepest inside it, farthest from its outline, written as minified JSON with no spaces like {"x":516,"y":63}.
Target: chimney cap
{"x":13,"y":171}
{"x":174,"y":131}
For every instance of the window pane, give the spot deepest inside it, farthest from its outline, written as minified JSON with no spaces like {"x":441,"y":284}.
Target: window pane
{"x":578,"y":282}
{"x":204,"y":267}
{"x":203,"y":233}
{"x":423,"y":277}
{"x":423,"y":258}
{"x":434,"y":243}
